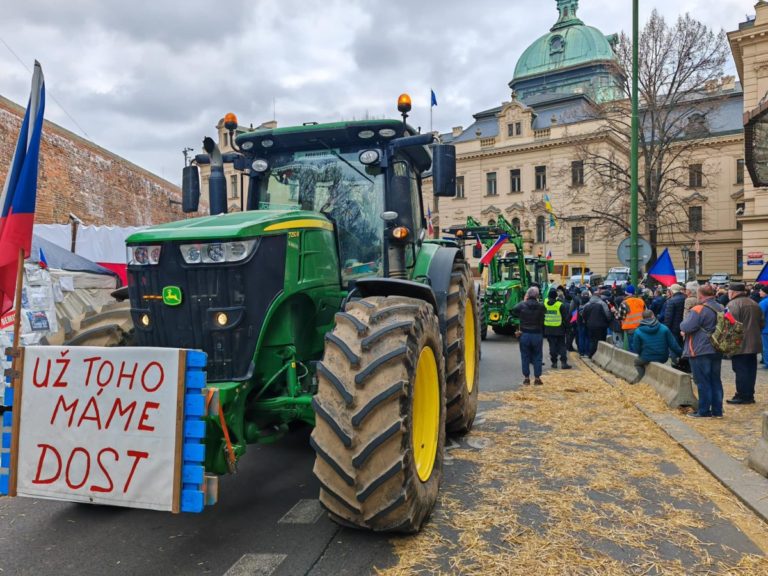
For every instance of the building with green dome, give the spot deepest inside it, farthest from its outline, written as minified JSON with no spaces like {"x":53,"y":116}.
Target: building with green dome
{"x":529,"y":152}
{"x":572,"y":58}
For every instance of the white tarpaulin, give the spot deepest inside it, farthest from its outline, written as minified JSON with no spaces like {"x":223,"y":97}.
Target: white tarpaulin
{"x":97,"y":243}
{"x":100,"y":425}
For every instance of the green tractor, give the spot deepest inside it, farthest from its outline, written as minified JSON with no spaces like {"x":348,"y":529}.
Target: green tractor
{"x":510,"y":272}
{"x":323,"y":303}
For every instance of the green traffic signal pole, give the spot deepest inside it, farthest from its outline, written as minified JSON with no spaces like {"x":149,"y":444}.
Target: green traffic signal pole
{"x":633,"y":254}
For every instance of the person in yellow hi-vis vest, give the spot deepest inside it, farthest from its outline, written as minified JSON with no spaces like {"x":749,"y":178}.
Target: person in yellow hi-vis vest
{"x":630,"y":314}
{"x":555,"y":323}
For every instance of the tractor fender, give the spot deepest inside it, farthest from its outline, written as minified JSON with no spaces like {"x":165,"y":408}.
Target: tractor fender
{"x":439,"y":274}
{"x":396,"y":287}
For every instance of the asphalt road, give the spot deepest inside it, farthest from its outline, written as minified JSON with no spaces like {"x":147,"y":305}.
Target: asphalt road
{"x":267,"y":521}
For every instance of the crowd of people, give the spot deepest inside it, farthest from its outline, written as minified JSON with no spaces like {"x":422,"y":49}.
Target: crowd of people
{"x":674,"y":323}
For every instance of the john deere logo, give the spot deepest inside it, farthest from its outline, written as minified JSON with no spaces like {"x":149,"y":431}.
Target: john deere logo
{"x":171,"y":295}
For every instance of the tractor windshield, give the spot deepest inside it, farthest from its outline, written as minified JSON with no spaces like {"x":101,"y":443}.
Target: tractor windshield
{"x":334,"y":183}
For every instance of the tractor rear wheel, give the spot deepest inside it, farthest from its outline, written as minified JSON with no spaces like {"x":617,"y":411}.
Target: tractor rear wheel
{"x":380,"y":412}
{"x":110,"y":326}
{"x":462,"y":359}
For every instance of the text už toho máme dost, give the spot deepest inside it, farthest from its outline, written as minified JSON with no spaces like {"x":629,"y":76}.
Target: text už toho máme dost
{"x":99,"y":425}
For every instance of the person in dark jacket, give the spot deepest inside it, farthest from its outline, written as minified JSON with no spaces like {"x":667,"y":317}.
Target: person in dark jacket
{"x":658,"y":304}
{"x":531,"y":314}
{"x":582,"y":334}
{"x":705,"y":360}
{"x":555,"y":325}
{"x":673,"y":312}
{"x":653,"y":342}
{"x":597,"y":318}
{"x":744,"y":364}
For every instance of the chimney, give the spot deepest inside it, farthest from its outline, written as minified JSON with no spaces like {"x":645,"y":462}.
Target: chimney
{"x":456,"y":131}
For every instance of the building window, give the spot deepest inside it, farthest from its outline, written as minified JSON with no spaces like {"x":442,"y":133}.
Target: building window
{"x":518,"y":128}
{"x":510,"y":129}
{"x":233,"y":186}
{"x":740,"y":171}
{"x":490,"y":184}
{"x":697,"y":125}
{"x":578,"y":240}
{"x":577,"y":173}
{"x":516,"y":224}
{"x":541,"y":230}
{"x":695,"y":223}
{"x":459,"y":186}
{"x":541,"y":177}
{"x":515,"y":183}
{"x":695,"y":176}
{"x":739,"y":261}
{"x":740,"y":208}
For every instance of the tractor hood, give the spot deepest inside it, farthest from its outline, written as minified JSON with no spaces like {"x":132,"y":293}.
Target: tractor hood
{"x":234,"y":225}
{"x":503,"y":286}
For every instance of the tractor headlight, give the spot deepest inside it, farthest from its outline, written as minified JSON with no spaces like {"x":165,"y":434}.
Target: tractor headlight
{"x":217,"y":252}
{"x":143,"y":255}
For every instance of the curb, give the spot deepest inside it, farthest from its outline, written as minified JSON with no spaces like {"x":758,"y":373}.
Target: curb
{"x":747,"y":485}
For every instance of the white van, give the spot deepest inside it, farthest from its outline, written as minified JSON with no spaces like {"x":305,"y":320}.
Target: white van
{"x":618,"y":276}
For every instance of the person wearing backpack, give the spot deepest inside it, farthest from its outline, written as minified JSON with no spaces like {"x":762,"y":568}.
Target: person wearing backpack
{"x":744,"y":362}
{"x":705,"y":360}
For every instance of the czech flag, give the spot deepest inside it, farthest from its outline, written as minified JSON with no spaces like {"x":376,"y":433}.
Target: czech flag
{"x":762,"y":278}
{"x":663,"y":270}
{"x":434,"y":98}
{"x":478,"y":244}
{"x":574,"y":317}
{"x":488,"y":256}
{"x":549,"y":254}
{"x":17,"y":200}
{"x":430,"y":225}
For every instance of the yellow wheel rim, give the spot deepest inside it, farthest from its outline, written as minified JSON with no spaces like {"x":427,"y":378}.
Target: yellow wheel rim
{"x":469,"y":345}
{"x":426,"y":414}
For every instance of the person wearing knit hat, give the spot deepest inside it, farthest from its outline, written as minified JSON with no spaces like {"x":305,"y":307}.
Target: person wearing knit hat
{"x":629,"y":289}
{"x":673,"y":311}
{"x":675,"y":288}
{"x":630,"y":314}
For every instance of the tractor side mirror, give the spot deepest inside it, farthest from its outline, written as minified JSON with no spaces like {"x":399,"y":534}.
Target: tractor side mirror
{"x":217,"y":190}
{"x":477,"y":251}
{"x":444,"y":170}
{"x":190,"y":189}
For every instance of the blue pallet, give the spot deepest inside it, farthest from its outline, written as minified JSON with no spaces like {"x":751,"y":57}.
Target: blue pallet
{"x":193,"y":450}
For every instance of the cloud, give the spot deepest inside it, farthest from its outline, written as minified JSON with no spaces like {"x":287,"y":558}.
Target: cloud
{"x":147,"y":78}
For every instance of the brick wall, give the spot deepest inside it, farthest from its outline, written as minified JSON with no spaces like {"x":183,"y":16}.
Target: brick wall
{"x":77,"y":176}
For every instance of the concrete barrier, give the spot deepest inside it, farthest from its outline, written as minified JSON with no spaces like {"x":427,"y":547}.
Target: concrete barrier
{"x":758,"y":458}
{"x":675,"y":387}
{"x":604,"y":355}
{"x":623,"y":366}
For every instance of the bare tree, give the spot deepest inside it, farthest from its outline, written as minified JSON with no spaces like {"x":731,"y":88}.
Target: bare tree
{"x":679,"y":73}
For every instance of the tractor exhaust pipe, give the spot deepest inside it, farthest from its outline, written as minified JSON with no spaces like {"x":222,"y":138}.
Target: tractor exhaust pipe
{"x":217,"y":183}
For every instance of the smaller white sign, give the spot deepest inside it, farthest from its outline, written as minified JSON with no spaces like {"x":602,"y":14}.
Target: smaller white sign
{"x":100,"y":425}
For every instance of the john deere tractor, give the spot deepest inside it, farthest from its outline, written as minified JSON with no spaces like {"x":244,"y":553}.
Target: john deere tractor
{"x":510,"y":271}
{"x":325,"y":303}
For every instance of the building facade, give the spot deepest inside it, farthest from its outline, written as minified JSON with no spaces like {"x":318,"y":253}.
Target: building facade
{"x":749,"y":45}
{"x":529,"y":150}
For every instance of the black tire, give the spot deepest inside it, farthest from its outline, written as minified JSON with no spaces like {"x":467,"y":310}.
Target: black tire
{"x":365,"y":419}
{"x":505,"y":330}
{"x":112,"y":326}
{"x":483,"y":330}
{"x":462,"y":363}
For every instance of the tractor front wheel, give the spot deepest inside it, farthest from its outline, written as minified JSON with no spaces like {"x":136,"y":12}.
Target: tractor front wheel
{"x":380,"y":407}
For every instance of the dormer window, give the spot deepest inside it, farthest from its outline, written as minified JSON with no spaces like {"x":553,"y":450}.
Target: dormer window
{"x":556,"y":45}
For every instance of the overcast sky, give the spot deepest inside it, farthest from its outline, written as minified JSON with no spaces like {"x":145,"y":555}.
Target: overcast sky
{"x":146,"y":78}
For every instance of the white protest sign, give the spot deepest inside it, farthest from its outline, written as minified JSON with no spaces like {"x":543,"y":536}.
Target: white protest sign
{"x":101,"y":425}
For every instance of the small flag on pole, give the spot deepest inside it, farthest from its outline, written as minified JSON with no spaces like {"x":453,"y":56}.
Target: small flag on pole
{"x":663,"y":269}
{"x":762,"y":278}
{"x":491,"y":252}
{"x":43,"y":261}
{"x":17,"y":200}
{"x":549,"y":254}
{"x":430,"y":225}
{"x":548,"y":208}
{"x":478,"y":244}
{"x":434,"y":98}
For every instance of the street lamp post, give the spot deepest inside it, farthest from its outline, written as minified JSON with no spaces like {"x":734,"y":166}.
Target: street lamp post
{"x":633,"y":249}
{"x":685,"y":250}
